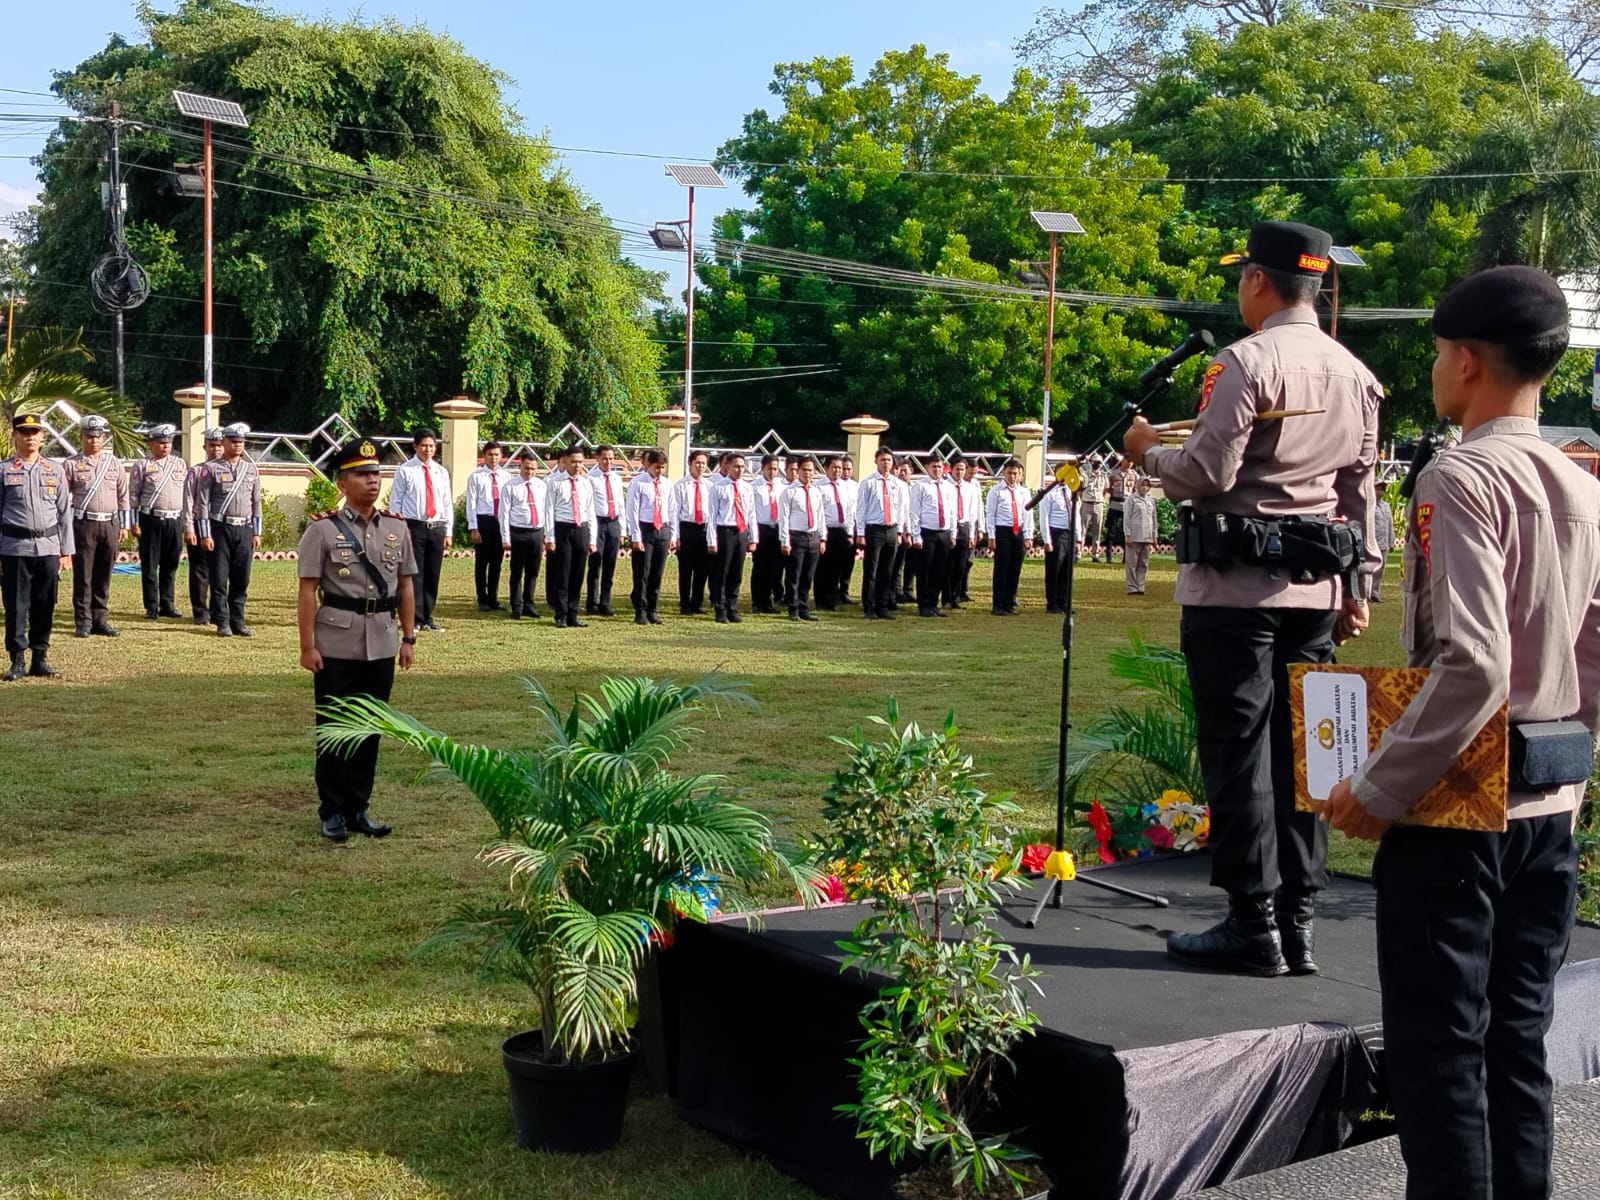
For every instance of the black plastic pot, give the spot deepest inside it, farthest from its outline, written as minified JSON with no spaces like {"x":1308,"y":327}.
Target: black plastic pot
{"x":572,"y":1108}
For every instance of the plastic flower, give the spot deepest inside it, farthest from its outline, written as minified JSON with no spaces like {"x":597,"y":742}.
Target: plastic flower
{"x":1033,"y":856}
{"x":1101,"y":824}
{"x":1159,"y":836}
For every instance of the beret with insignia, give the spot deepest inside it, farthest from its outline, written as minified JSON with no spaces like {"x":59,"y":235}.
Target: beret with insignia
{"x":1502,"y":304}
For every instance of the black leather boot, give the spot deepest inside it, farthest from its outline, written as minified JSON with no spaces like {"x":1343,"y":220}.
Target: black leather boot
{"x":1245,"y":942}
{"x":41,"y":668}
{"x":17,"y":670}
{"x":1294,"y":913}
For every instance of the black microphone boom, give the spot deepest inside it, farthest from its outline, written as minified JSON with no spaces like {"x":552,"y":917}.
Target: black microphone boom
{"x":1197,"y":342}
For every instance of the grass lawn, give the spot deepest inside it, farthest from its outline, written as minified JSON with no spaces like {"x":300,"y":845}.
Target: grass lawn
{"x":198,"y":998}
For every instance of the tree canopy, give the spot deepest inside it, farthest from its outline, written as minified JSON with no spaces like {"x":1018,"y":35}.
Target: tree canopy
{"x":386,"y":235}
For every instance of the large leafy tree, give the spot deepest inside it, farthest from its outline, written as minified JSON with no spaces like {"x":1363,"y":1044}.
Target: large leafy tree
{"x":385,"y":234}
{"x":913,"y":167}
{"x":43,"y":366}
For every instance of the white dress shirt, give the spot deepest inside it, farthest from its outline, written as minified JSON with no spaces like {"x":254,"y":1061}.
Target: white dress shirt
{"x":408,"y":494}
{"x":483,"y":487}
{"x":524,"y":504}
{"x":1006,"y":508}
{"x":933,"y":506}
{"x":724,"y":514}
{"x":841,"y":504}
{"x":1056,"y":516}
{"x":639,"y":507}
{"x":768,"y":492}
{"x":869,"y":502}
{"x":969,"y":508}
{"x":599,"y":479}
{"x":687,"y":489}
{"x":560,"y":491}
{"x":792,"y":513}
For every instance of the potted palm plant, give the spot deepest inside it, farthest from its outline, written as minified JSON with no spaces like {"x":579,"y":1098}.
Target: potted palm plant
{"x":602,"y":847}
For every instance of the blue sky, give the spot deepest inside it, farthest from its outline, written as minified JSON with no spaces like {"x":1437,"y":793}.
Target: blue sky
{"x":607,"y":76}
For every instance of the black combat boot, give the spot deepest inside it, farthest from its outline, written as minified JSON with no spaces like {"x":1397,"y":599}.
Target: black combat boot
{"x":1245,"y":942}
{"x":1294,"y":912}
{"x":40,"y":667}
{"x":17,"y":670}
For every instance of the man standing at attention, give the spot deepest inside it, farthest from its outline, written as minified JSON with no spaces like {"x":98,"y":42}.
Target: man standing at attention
{"x":228,"y":520}
{"x":1247,"y":615}
{"x":694,"y":537}
{"x":523,"y":504}
{"x":483,"y":507}
{"x":801,"y":527}
{"x":199,"y":560}
{"x":156,"y":488}
{"x":35,"y":545}
{"x":570,"y":536}
{"x":734,"y":536}
{"x":609,"y":492}
{"x":651,"y":507}
{"x":839,"y":552}
{"x":933,"y":527}
{"x":1009,"y":525}
{"x":881,"y":509}
{"x":354,"y":612}
{"x":420,"y":493}
{"x":969,"y":519}
{"x":100,"y":511}
{"x":766,"y":570}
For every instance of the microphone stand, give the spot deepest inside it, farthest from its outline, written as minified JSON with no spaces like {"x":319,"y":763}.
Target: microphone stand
{"x":1052,"y":891}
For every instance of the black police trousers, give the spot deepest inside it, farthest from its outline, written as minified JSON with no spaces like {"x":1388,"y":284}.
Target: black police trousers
{"x":564,"y":579}
{"x":230,"y":573}
{"x":527,"y":556}
{"x":766,"y":571}
{"x":427,"y":543}
{"x":799,"y":570}
{"x":92,"y":560}
{"x":955,"y":588}
{"x":1238,"y":660}
{"x":1009,"y":551}
{"x":160,"y":545}
{"x":1471,"y":930}
{"x":649,"y":562}
{"x":487,"y":556}
{"x":877,"y":569}
{"x":933,"y":568}
{"x":694,"y":566}
{"x":28,"y":589}
{"x":344,"y":777}
{"x":603,"y":564}
{"x":199,"y":580}
{"x":727,"y":568}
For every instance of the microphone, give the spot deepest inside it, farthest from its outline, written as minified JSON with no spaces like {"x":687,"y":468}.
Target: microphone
{"x":1197,"y":342}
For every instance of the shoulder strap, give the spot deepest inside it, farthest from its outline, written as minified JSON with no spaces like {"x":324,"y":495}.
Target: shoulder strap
{"x":94,"y":488}
{"x":361,"y":552}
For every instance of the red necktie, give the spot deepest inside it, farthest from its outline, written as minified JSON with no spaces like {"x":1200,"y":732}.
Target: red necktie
{"x":838,"y":503}
{"x":533,"y":509}
{"x":611,"y":505}
{"x":573,"y":480}
{"x":938,"y":490}
{"x":494,"y":482}
{"x":427,"y":478}
{"x":1016,"y":517}
{"x":811,"y":521}
{"x":655,"y":515}
{"x":772,"y":495}
{"x":738,"y":510}
{"x":960,"y":508}
{"x":887,"y":518}
{"x":699,"y":516}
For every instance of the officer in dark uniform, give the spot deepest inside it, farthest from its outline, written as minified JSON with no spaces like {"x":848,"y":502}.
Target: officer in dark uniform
{"x":1266,"y":578}
{"x":35,"y":544}
{"x":1502,"y":582}
{"x":356,"y":613}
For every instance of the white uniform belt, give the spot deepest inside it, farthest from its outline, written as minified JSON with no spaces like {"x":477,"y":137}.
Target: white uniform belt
{"x":89,"y":516}
{"x":237,"y":520}
{"x":166,"y":514}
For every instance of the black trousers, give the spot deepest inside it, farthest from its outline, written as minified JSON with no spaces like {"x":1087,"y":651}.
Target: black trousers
{"x":427,"y":543}
{"x":527,"y":555}
{"x":1008,"y":555}
{"x":1113,"y":531}
{"x":199,"y":581}
{"x":344,"y":777}
{"x":933,"y":568}
{"x":877,"y":568}
{"x":28,"y":590}
{"x":564,"y":583}
{"x":1238,"y":660}
{"x":160,"y":546}
{"x":649,"y":563}
{"x":1062,"y":551}
{"x":766,"y":571}
{"x":230,"y":573}
{"x":838,"y":559}
{"x":727,"y":572}
{"x":1471,"y":930}
{"x":95,"y":555}
{"x":960,"y":566}
{"x":487,"y":555}
{"x":603,"y":563}
{"x":799,"y":571}
{"x":905,"y":569}
{"x":694,"y":566}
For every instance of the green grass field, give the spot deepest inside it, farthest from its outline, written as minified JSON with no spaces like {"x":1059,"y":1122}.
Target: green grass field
{"x":199,"y":998}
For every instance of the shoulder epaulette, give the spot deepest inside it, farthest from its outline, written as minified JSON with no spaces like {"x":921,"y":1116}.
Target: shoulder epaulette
{"x":384,"y":512}
{"x":321,"y":516}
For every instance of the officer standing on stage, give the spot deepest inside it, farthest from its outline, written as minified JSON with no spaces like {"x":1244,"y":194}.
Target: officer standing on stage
{"x":1274,"y":554}
{"x":1501,"y":586}
{"x":35,"y":545}
{"x":100,"y":512}
{"x":199,"y":560}
{"x":355,"y":612}
{"x":485,"y":526}
{"x":605,"y":477}
{"x":156,"y":489}
{"x":228,"y":520}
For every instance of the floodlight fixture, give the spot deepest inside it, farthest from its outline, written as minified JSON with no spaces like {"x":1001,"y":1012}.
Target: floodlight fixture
{"x":1055,"y":224}
{"x":188,"y":180}
{"x":691,"y":176}
{"x":209,"y":108}
{"x":696,"y":175}
{"x":1034,"y":279}
{"x":667,"y":237}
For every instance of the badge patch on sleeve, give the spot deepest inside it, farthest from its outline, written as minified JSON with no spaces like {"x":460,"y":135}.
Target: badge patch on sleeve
{"x":1207,"y":382}
{"x":1424,"y":519}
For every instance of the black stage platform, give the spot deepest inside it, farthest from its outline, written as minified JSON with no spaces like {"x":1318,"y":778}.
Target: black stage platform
{"x":1149,"y":1079}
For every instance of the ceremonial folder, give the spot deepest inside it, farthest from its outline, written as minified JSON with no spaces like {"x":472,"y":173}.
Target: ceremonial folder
{"x":1338,"y":715}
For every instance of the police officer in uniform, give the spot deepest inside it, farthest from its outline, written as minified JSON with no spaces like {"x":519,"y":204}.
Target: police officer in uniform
{"x":100,"y":512}
{"x":1501,"y":586}
{"x":356,"y":611}
{"x":199,"y":560}
{"x":228,"y":520}
{"x":35,"y":544}
{"x":156,"y":489}
{"x":1266,"y":579}
{"x":1092,"y":506}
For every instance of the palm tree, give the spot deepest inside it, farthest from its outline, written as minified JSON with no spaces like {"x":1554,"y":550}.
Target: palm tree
{"x":603,"y":845}
{"x":38,"y":370}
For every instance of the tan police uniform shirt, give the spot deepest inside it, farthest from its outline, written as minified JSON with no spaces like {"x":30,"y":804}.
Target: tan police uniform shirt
{"x":328,"y":556}
{"x":1308,"y":466}
{"x":159,"y":487}
{"x":1502,"y":605}
{"x":99,"y":485}
{"x":35,"y":516}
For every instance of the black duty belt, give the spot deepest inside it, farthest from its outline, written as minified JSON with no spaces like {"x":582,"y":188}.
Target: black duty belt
{"x":1306,"y":548}
{"x":19,"y":531}
{"x":367,"y":608}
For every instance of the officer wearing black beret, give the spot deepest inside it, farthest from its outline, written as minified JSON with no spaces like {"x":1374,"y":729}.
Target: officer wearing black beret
{"x":356,"y":615}
{"x":1274,"y":552}
{"x":1502,"y":584}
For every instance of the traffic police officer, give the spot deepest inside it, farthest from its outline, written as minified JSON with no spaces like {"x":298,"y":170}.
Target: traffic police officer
{"x":228,"y":519}
{"x":100,"y":512}
{"x":1265,"y":579}
{"x":1501,"y":585}
{"x":356,"y":614}
{"x":199,"y":559}
{"x":156,"y":488}
{"x":35,"y":544}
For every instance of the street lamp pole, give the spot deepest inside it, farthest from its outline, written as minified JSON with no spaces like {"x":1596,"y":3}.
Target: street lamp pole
{"x":1052,"y":223}
{"x":691,"y":176}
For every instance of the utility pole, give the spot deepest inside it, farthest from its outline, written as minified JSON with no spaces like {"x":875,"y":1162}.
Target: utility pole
{"x":116,"y":229}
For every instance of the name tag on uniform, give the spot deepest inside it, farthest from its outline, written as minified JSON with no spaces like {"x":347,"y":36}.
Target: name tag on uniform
{"x":13,"y":480}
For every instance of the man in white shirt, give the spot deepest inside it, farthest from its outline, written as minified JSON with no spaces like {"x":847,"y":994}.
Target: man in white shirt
{"x":1010,"y":528}
{"x":802,"y":524}
{"x":523,"y":506}
{"x":609,"y":493}
{"x":652,"y":516}
{"x":839,"y":551}
{"x":694,"y":536}
{"x":420,"y":494}
{"x":933,"y":526}
{"x":880,"y":509}
{"x":734,"y":535}
{"x":969,"y":524}
{"x":905,"y":562}
{"x":1058,"y":530}
{"x":851,"y":489}
{"x":570,"y":536}
{"x":484,"y":526}
{"x":766,"y":569}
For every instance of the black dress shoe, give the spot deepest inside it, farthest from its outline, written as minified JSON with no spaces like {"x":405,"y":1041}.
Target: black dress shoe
{"x":496,"y":606}
{"x":243,"y":631}
{"x":40,"y":669}
{"x":202,"y":619}
{"x":576,"y":623}
{"x":939,"y":612}
{"x":334,"y":829}
{"x":794,"y":617}
{"x":103,"y":630}
{"x":640,"y":619}
{"x":655,"y":620}
{"x":484,"y":606}
{"x":734,"y":618}
{"x":926,"y":612}
{"x":150,"y":614}
{"x":1245,"y":942}
{"x":809,"y":616}
{"x":224,"y":631}
{"x":534,"y":613}
{"x":171,"y":612}
{"x":361,"y":823}
{"x":605,"y":611}
{"x":80,"y":631}
{"x":1294,"y":914}
{"x":515,"y":615}
{"x":870,"y":616}
{"x":16,"y":671}
{"x":886,"y":615}
{"x":722,"y":617}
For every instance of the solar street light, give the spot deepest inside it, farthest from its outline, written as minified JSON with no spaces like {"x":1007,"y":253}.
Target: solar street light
{"x":691,"y":176}
{"x":1032,"y":278}
{"x":1340,"y":256}
{"x":666,"y":237}
{"x":1053,"y":223}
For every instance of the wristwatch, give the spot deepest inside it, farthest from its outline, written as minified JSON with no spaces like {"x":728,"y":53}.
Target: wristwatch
{"x":410,"y":641}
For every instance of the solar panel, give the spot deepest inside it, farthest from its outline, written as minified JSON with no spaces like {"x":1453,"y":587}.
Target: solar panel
{"x":1057,"y":222}
{"x":1346,"y":257}
{"x":696,"y":175}
{"x":209,"y":108}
